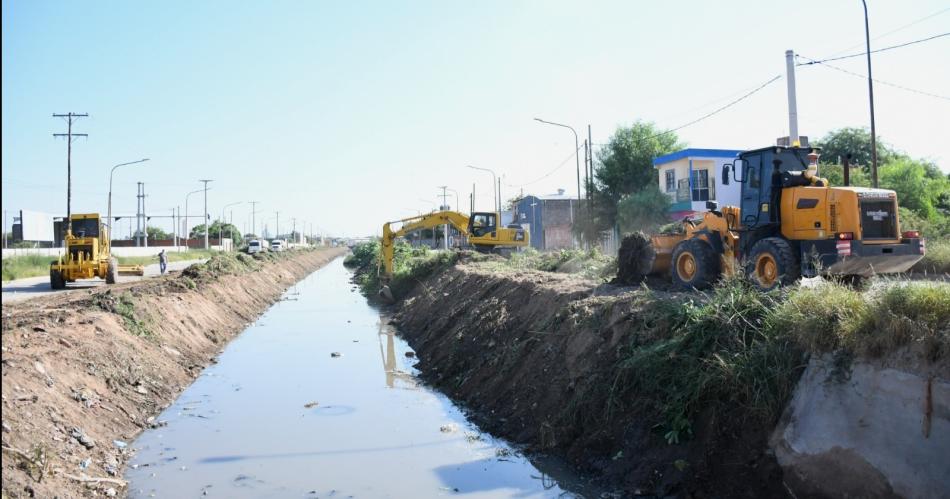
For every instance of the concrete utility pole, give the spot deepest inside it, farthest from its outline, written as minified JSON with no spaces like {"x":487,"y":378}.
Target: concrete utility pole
{"x":207,"y":225}
{"x":70,"y":117}
{"x":277,"y":226}
{"x":140,"y":221}
{"x":793,"y":136}
{"x":174,"y":229}
{"x":867,"y":41}
{"x":590,"y":188}
{"x":253,"y":221}
{"x":445,"y":227}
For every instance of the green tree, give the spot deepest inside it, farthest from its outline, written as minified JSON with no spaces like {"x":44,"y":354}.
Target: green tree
{"x":920,"y":187}
{"x":156,"y":233}
{"x":644,"y":210}
{"x":625,"y":166}
{"x":218,"y":229}
{"x":837,"y":144}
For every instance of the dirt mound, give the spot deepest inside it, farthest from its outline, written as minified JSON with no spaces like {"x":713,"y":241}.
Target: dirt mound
{"x":634,"y":259}
{"x":536,"y":358}
{"x":85,"y":372}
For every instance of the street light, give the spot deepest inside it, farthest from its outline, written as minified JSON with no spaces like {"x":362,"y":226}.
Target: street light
{"x":576,"y":149}
{"x":110,"y":192}
{"x":867,"y":41}
{"x":577,"y":159}
{"x":494,"y":183}
{"x":187,"y":234}
{"x":458,"y":207}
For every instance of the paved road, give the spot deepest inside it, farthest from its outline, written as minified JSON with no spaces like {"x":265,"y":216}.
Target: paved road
{"x":31,"y":287}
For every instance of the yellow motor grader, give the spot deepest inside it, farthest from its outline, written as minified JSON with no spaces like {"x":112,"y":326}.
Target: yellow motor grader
{"x":88,"y":254}
{"x":790,"y":224}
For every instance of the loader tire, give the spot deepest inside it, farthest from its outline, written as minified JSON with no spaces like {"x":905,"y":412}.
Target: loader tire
{"x":56,"y":280}
{"x":112,"y":272}
{"x":772,"y":263}
{"x":694,"y":265}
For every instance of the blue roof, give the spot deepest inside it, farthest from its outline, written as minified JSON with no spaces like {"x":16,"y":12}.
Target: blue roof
{"x":696,"y":153}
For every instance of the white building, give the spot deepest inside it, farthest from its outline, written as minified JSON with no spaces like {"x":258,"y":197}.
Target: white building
{"x":690,"y":176}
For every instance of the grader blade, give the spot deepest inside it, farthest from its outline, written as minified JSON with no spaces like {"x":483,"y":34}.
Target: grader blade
{"x":138,"y":270}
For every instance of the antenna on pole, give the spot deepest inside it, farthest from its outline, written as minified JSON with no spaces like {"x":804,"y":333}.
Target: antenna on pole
{"x":70,"y":117}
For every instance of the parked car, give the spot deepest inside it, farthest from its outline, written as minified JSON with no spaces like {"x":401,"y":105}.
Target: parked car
{"x":256,"y":246}
{"x":277,"y":245}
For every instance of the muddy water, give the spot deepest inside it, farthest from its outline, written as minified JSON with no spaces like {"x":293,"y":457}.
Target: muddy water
{"x":280,"y":416}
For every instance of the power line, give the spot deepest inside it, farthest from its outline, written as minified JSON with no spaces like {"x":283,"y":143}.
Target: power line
{"x":864,"y":77}
{"x":874,"y":51}
{"x":895,"y":30}
{"x":546,"y":175}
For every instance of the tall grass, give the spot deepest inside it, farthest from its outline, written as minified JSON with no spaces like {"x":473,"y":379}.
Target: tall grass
{"x":937,"y":258}
{"x":22,"y":266}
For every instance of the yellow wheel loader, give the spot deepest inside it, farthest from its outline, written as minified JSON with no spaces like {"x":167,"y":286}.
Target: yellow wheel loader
{"x":791,"y":223}
{"x":88,"y":254}
{"x":482,"y":230}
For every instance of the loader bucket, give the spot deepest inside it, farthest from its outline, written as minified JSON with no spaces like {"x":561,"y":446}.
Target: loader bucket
{"x":641,"y":255}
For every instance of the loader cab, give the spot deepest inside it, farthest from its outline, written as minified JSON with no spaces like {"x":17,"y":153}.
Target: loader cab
{"x":482,"y":224}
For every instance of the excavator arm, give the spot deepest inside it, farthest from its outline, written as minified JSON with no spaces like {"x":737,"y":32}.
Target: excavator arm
{"x":412,"y":224}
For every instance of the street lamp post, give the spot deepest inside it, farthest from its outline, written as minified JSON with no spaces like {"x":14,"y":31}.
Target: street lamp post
{"x":186,"y":233}
{"x":494,"y":186}
{"x":576,"y":158}
{"x":223,"y":220}
{"x":109,"y":216}
{"x":867,"y":41}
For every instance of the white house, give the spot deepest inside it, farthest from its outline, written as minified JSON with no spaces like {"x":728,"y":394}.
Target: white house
{"x":690,"y":176}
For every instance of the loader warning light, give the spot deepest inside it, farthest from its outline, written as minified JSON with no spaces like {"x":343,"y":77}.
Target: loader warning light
{"x":846,"y":236}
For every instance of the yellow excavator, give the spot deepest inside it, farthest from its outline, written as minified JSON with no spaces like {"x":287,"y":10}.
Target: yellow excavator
{"x":88,"y":254}
{"x":482,"y":230}
{"x":791,"y":223}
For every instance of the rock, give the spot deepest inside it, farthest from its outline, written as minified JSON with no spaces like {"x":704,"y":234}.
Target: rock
{"x":336,"y":354}
{"x":141,"y":389}
{"x":39,"y":329}
{"x":119,"y":444}
{"x":85,"y":463}
{"x":6,"y":427}
{"x":111,"y":492}
{"x":410,"y":354}
{"x":81,"y":437}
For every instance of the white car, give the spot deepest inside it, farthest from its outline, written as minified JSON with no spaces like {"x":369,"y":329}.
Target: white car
{"x":277,"y":245}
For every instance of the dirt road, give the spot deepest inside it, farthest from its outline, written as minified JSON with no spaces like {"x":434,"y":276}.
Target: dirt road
{"x":32,"y":287}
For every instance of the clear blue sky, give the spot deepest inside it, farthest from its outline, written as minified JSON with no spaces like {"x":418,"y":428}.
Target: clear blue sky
{"x":348,"y":114}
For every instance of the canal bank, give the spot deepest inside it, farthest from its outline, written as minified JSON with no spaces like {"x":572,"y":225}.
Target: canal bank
{"x":86,"y":369}
{"x":318,"y":398}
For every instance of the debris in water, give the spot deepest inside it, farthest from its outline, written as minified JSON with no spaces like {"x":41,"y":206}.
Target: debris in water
{"x":310,"y":405}
{"x":336,"y":354}
{"x":119,"y":444}
{"x":410,"y":354}
{"x":448,"y":428}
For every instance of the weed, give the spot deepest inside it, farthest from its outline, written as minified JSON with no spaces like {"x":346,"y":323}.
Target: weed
{"x":21,"y":266}
{"x":123,"y":305}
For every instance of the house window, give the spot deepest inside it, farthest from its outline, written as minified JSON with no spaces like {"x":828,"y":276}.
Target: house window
{"x":700,"y":185}
{"x":670,"y":180}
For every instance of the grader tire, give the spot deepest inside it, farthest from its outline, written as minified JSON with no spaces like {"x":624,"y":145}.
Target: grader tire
{"x":56,"y":280}
{"x":112,"y":272}
{"x":635,"y":259}
{"x":694,"y":265}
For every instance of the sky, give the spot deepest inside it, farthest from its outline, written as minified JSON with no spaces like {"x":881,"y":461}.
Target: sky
{"x":345,"y":115}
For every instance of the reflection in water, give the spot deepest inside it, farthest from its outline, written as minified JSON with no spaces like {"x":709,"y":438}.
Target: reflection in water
{"x":389,"y":358}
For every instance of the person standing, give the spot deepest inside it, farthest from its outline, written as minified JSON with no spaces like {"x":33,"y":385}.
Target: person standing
{"x":162,"y":261}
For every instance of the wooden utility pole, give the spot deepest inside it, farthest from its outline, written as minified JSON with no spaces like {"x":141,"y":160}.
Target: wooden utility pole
{"x":70,"y":117}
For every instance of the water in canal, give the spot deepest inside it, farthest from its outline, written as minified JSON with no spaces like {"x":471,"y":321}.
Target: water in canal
{"x":278,"y":416}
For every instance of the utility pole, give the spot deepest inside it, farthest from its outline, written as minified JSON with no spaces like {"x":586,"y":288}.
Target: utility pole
{"x":590,"y":189}
{"x":139,"y":213}
{"x":793,"y":137}
{"x":253,"y":221}
{"x":867,"y":41}
{"x":277,"y":226}
{"x":174,"y":229}
{"x":207,"y":225}
{"x":70,"y":117}
{"x":293,"y":232}
{"x":445,"y":227}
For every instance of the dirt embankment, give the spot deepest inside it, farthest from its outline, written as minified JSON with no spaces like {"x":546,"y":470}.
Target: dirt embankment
{"x":84,"y":373}
{"x":534,"y":357}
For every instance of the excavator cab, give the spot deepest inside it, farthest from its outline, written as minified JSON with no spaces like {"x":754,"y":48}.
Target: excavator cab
{"x":482,"y":224}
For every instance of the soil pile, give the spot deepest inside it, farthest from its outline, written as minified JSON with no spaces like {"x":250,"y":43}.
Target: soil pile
{"x":85,"y":372}
{"x":537,"y":358}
